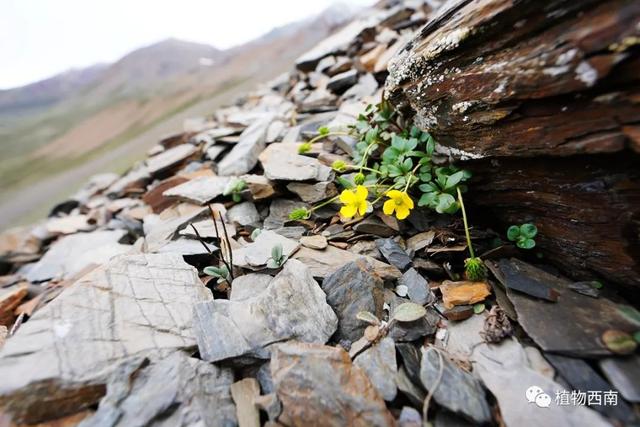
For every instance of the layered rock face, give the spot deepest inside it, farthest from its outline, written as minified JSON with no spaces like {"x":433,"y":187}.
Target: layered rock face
{"x":545,"y":98}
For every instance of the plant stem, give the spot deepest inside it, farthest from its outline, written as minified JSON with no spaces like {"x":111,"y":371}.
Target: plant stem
{"x":325,"y":135}
{"x":466,"y":224}
{"x":326,"y":202}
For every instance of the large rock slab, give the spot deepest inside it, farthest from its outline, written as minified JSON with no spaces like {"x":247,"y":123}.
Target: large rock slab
{"x":177,"y":391}
{"x":244,"y":155}
{"x":291,"y":307}
{"x":258,"y":253}
{"x":380,"y":365}
{"x":201,"y":190}
{"x":171,"y":159}
{"x":71,"y":254}
{"x":318,"y":385}
{"x":352,"y":288}
{"x":281,"y":161}
{"x":134,"y":305}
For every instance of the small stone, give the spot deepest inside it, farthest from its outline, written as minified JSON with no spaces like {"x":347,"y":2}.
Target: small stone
{"x":10,"y":298}
{"x":373,"y":225}
{"x":459,"y":312}
{"x":418,"y":288}
{"x":323,"y":263}
{"x":172,"y":158}
{"x":291,"y":307}
{"x":282,"y":162}
{"x":367,"y":86}
{"x":244,"y":214}
{"x":244,"y":155}
{"x":314,"y":242}
{"x":379,"y":363}
{"x":244,"y":393}
{"x":463,"y":293}
{"x":154,"y":197}
{"x":352,"y":288}
{"x":458,"y":391}
{"x":343,"y":81}
{"x":312,"y":193}
{"x":259,"y":187}
{"x":393,"y":253}
{"x":318,"y":384}
{"x":279,"y":211}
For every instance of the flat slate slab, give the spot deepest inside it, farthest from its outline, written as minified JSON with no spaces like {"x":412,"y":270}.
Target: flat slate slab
{"x":173,"y":157}
{"x":200,"y":191}
{"x":244,"y":155}
{"x":135,"y":305}
{"x":281,"y":161}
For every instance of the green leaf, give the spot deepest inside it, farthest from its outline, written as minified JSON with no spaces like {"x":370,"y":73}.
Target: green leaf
{"x":528,"y":230}
{"x":212,"y":271}
{"x":427,"y":199}
{"x":367,"y":316}
{"x":271,"y":263}
{"x":596,"y":284}
{"x":428,"y":187}
{"x":478,"y":308}
{"x":344,"y":182}
{"x":445,"y":202}
{"x":513,"y":233}
{"x":629,"y":313}
{"x":236,"y":197}
{"x":276,"y":252}
{"x":255,"y":233}
{"x":323,"y":130}
{"x":524,"y":243}
{"x":619,"y":342}
{"x":409,"y":312}
{"x":453,"y":180}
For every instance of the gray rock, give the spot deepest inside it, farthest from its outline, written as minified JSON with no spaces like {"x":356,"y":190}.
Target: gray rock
{"x":71,"y":254}
{"x":136,"y":305}
{"x":623,"y":374}
{"x":373,"y":225}
{"x":176,"y":391}
{"x":185,"y":247}
{"x":393,"y":253}
{"x":343,"y":81}
{"x":314,"y":242}
{"x":244,"y":214}
{"x":279,"y":211}
{"x":411,"y":331}
{"x":418,"y":288}
{"x":352,"y":288}
{"x":293,"y":232}
{"x":366,"y":86}
{"x":458,"y":391}
{"x":200,"y":191}
{"x":292,"y":307}
{"x":171,"y":158}
{"x":249,"y":285}
{"x":409,"y":417}
{"x":379,"y":363}
{"x":137,"y":177}
{"x":282,"y":162}
{"x":244,"y":155}
{"x":325,"y":64}
{"x":318,"y":385}
{"x":257,"y":254}
{"x":312,"y":193}
{"x":318,"y":100}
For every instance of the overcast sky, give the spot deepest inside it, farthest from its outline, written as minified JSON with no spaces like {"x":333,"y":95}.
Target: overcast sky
{"x":39,"y":38}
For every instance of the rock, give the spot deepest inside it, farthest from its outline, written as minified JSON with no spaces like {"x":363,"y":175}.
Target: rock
{"x":249,"y":285}
{"x":410,"y":417}
{"x":291,"y":307}
{"x":379,"y":363}
{"x":171,"y":159}
{"x":420,"y":241}
{"x":185,"y":247}
{"x":323,"y":263}
{"x":623,"y":372}
{"x":294,"y":232}
{"x":343,"y":63}
{"x":282,"y":162}
{"x":373,"y":225}
{"x":73,"y":253}
{"x":3,"y":335}
{"x":411,"y":331}
{"x":279,"y":211}
{"x":259,"y":187}
{"x":458,"y":391}
{"x":244,"y":155}
{"x":318,"y":100}
{"x":160,"y":230}
{"x":538,"y":363}
{"x":318,"y":385}
{"x":156,"y":199}
{"x":257,"y":254}
{"x":369,"y":59}
{"x":352,"y":288}
{"x":10,"y":298}
{"x":459,"y":312}
{"x":244,"y":214}
{"x":244,"y":393}
{"x":18,"y":241}
{"x":418,"y":288}
{"x":325,"y":63}
{"x":133,"y":181}
{"x":393,"y":253}
{"x":463,"y":293}
{"x":176,"y":391}
{"x":69,"y":224}
{"x":343,"y":81}
{"x":135,"y":305}
{"x":366,"y":86}
{"x":316,"y":241}
{"x":312,"y":193}
{"x":200,"y":191}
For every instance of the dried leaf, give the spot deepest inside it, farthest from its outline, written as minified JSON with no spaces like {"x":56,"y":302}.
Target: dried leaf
{"x":368,"y":317}
{"x":409,"y":312}
{"x":619,"y":342}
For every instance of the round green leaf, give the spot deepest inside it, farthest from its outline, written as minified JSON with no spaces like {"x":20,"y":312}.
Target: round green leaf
{"x":212,"y":271}
{"x":528,"y":230}
{"x":526,"y":243}
{"x":408,"y":312}
{"x":513,"y":233}
{"x":478,"y":308}
{"x":619,"y":342}
{"x":636,"y":336}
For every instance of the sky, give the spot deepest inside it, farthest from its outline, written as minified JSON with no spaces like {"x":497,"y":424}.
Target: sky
{"x":40,"y":38}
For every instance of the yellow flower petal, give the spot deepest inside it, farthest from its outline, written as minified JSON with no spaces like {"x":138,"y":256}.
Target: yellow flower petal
{"x":347,"y":196}
{"x":348,"y":211}
{"x":407,"y":200}
{"x":361,"y":193}
{"x":395,"y":194}
{"x":388,"y":207}
{"x":362,"y":207}
{"x":402,"y":212}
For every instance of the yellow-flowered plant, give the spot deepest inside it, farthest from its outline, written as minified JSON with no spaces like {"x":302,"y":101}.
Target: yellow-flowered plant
{"x":354,"y":201}
{"x":399,"y":203}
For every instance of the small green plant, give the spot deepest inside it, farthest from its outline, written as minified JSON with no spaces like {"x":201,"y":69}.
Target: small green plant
{"x":221,"y":273}
{"x":277,"y":258}
{"x":474,"y":267}
{"x":523,"y":235}
{"x":255,"y":233}
{"x":235,"y":188}
{"x":305,"y":147}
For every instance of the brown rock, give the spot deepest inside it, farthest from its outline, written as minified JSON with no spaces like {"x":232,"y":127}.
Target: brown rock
{"x":10,"y":298}
{"x":154,"y":197}
{"x":463,"y":293}
{"x":319,"y":386}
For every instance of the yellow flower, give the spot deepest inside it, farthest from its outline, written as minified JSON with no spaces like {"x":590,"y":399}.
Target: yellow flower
{"x":355,"y":201}
{"x":400,"y":202}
